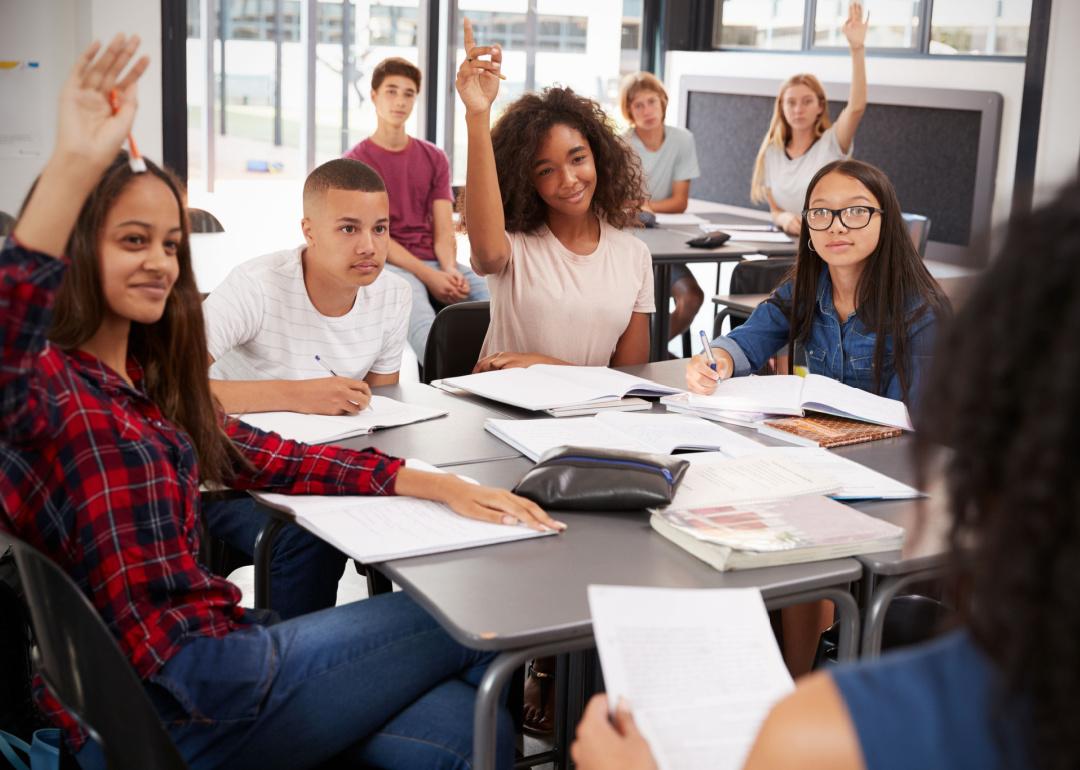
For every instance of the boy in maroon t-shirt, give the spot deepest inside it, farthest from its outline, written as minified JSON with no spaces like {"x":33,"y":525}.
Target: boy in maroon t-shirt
{"x":417,"y":177}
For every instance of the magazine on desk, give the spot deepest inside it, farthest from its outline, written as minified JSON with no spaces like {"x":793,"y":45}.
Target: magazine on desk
{"x":374,"y":529}
{"x":546,"y":386}
{"x":383,"y":412}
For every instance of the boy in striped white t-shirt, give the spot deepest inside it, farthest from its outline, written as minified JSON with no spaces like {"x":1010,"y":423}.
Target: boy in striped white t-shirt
{"x":270,"y":318}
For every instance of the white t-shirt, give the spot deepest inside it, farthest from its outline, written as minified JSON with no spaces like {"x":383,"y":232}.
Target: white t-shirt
{"x":674,"y":161}
{"x":574,"y":307}
{"x":261,"y":325}
{"x":787,"y":178}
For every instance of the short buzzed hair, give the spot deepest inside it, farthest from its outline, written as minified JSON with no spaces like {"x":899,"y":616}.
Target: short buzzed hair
{"x":342,"y":174}
{"x":394,"y":65}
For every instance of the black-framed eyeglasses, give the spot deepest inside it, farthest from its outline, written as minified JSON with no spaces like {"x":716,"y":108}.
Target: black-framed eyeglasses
{"x":852,"y":217}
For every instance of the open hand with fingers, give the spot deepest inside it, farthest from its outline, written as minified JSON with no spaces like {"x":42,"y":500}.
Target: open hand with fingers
{"x":855,"y":27}
{"x":478,"y":78}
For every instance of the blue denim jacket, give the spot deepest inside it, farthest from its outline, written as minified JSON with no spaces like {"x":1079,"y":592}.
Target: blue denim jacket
{"x":842,"y":351}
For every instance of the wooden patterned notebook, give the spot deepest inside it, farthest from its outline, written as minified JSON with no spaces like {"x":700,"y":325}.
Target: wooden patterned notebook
{"x":826,"y":431}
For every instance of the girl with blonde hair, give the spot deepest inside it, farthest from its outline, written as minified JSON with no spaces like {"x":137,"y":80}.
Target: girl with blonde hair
{"x":802,"y":138}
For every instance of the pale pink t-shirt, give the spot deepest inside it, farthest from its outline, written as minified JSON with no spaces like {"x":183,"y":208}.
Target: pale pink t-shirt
{"x":574,"y":307}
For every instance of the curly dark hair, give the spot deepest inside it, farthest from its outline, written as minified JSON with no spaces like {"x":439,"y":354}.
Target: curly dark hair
{"x":894,"y":290}
{"x":1004,"y":396}
{"x":516,"y":137}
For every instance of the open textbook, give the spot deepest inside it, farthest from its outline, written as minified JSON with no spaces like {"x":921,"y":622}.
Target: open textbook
{"x":699,"y":667}
{"x":547,"y":386}
{"x":323,"y":428}
{"x":658,"y":433}
{"x":791,"y":395}
{"x":375,"y":529}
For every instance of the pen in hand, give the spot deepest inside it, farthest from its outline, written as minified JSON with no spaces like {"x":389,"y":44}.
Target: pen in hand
{"x":709,"y":357}
{"x":326,"y":366}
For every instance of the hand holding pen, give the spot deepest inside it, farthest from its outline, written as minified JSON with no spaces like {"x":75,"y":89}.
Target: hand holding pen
{"x":704,"y":371}
{"x":329,"y":395}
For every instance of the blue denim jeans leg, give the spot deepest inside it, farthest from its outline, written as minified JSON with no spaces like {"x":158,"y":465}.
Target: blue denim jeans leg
{"x":304,"y":570}
{"x":375,"y":683}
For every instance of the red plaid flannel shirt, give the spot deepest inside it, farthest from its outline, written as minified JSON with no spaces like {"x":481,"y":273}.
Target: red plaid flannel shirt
{"x":93,"y":475}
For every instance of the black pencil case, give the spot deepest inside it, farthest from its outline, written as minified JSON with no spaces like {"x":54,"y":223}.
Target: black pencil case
{"x":589,"y":479}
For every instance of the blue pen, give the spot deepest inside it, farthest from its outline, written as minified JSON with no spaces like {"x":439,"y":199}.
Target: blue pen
{"x":708,"y":350}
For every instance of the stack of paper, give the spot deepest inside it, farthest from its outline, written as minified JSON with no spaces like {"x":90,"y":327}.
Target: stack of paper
{"x":657,"y":433}
{"x":699,"y":668}
{"x":753,"y":233}
{"x":377,"y":529}
{"x":320,"y":428}
{"x":555,"y":387}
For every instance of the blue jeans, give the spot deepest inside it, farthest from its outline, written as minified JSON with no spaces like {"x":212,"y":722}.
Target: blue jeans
{"x":304,"y":569}
{"x":373,"y":683}
{"x":422,"y":314}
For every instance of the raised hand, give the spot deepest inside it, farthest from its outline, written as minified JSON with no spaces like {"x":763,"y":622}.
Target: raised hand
{"x":855,"y":27}
{"x":477,"y":79}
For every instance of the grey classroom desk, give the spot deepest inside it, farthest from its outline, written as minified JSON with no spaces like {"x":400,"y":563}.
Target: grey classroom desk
{"x":528,"y":599}
{"x":884,"y":574}
{"x":667,"y":245}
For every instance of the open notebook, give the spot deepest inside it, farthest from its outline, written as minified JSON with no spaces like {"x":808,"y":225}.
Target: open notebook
{"x":792,"y":395}
{"x":657,"y":433}
{"x":377,"y":529}
{"x":547,"y":386}
{"x":322,"y":428}
{"x":699,"y":667}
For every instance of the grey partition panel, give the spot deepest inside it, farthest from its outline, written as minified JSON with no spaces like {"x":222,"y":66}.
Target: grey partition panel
{"x":939,"y":147}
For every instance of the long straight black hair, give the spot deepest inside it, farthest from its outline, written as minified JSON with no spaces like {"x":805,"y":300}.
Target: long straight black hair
{"x":893,"y":279}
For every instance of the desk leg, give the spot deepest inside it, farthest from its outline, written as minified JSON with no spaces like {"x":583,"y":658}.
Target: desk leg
{"x":847,"y":609}
{"x":886,"y":590}
{"x":660,"y":325}
{"x":264,"y":548}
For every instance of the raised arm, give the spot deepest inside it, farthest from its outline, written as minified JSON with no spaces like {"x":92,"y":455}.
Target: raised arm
{"x":478,"y":85}
{"x":855,"y":31}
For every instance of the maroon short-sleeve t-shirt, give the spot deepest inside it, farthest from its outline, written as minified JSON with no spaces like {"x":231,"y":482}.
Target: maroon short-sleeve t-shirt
{"x":415,"y":178}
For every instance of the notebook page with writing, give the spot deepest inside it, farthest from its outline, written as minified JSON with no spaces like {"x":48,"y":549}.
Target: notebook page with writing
{"x":823,"y":394}
{"x":699,"y":668}
{"x":534,"y":437}
{"x":716,"y":479}
{"x":664,"y":433}
{"x":774,"y":394}
{"x":605,"y":382}
{"x":321,"y":428}
{"x":857,"y":482}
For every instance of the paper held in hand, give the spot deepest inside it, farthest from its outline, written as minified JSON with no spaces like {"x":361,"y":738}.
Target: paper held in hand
{"x":376,"y":529}
{"x":547,"y":386}
{"x":792,"y":395}
{"x":699,"y":668}
{"x":323,"y":428}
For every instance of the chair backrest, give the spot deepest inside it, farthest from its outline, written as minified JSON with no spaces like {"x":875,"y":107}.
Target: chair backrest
{"x":919,"y":229}
{"x":7,"y":224}
{"x":455,"y":339}
{"x":760,"y":276}
{"x":203,"y":221}
{"x":83,"y":666}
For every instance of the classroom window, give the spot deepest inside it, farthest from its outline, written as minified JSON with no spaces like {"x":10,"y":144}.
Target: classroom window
{"x":981,"y":27}
{"x":894,"y":24}
{"x":393,"y":25}
{"x":775,"y":24}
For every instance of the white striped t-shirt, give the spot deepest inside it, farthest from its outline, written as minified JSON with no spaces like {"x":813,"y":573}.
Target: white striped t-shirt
{"x":261,"y":325}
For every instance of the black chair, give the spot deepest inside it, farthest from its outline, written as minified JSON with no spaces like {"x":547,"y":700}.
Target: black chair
{"x":757,"y":277}
{"x":82,"y":665}
{"x":455,"y":339}
{"x":7,"y":224}
{"x":203,"y":221}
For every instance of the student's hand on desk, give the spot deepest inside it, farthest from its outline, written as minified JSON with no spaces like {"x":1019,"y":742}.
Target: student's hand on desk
{"x":700,"y":378}
{"x":478,"y":80}
{"x":494,"y":505}
{"x":512,"y":361}
{"x":329,"y":395}
{"x":445,"y":286}
{"x":603,"y":745}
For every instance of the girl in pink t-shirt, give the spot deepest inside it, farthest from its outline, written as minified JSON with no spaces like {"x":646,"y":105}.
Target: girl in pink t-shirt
{"x":549,"y":189}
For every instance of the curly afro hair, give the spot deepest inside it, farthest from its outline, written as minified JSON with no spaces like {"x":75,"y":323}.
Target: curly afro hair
{"x":517,"y":136}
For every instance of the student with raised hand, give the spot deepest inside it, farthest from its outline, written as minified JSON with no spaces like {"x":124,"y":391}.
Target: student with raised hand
{"x":417,"y":175}
{"x":107,"y":428}
{"x":548,"y":191}
{"x":279,"y":324}
{"x":1000,"y":690}
{"x":801,"y":137}
{"x":669,"y":160}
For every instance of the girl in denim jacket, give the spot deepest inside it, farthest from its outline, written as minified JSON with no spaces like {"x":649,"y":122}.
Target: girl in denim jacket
{"x":859,"y":303}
